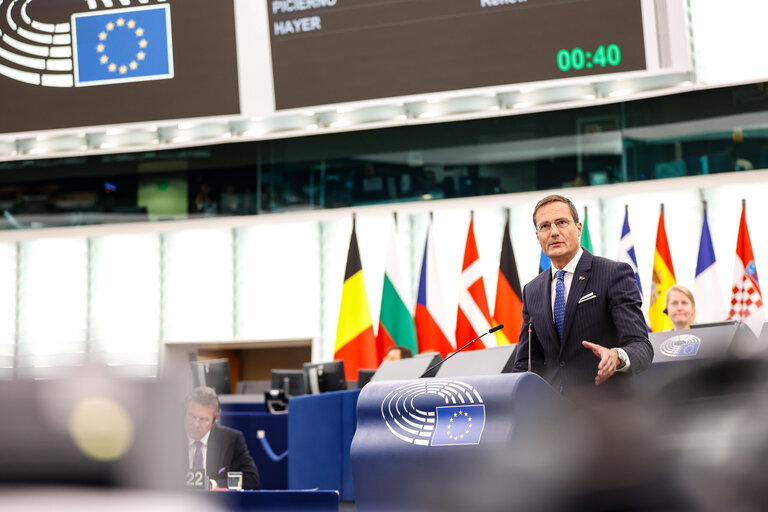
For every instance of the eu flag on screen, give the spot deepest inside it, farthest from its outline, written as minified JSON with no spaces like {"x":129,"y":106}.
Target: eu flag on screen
{"x":122,"y":45}
{"x":459,"y":424}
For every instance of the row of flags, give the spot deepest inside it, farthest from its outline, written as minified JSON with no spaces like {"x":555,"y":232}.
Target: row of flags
{"x":746,"y":303}
{"x":425,"y":330}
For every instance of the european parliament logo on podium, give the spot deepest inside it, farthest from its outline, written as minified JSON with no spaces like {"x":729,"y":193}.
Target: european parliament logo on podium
{"x":457,"y":424}
{"x":122,"y":45}
{"x":435,"y":412}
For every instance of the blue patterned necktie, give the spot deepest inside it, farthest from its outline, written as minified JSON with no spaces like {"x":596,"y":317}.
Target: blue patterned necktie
{"x":559,"y":309}
{"x":197,"y":458}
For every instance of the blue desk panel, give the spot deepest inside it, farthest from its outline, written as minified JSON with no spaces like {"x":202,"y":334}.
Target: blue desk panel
{"x":320,"y":432}
{"x":274,"y":475}
{"x":278,"y":501}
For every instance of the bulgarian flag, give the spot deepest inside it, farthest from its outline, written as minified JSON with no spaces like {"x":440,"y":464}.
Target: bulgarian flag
{"x":746,"y":298}
{"x":663,"y":279}
{"x":431,"y":315}
{"x":508,"y":309}
{"x":586,"y":239}
{"x":355,"y":344}
{"x":473,"y":317}
{"x":396,"y":326}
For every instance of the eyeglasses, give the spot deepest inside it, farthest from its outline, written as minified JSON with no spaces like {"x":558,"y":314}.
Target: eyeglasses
{"x":561,"y":224}
{"x":202,"y":420}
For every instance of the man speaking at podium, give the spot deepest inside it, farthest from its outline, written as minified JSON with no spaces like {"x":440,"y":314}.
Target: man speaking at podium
{"x":586,"y":325}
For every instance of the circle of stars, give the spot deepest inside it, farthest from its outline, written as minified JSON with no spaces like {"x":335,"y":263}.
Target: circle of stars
{"x":101,"y":47}
{"x":456,"y":434}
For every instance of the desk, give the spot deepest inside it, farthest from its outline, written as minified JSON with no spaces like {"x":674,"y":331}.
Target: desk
{"x":250,"y":418}
{"x":320,"y":431}
{"x":278,"y":501}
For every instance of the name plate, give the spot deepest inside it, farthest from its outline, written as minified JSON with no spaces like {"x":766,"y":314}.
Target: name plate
{"x":196,"y":479}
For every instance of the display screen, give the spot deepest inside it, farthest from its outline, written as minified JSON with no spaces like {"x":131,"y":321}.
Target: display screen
{"x":336,"y":51}
{"x":73,"y":63}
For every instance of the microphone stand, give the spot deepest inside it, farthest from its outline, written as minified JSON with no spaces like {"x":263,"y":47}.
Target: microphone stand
{"x":493,"y":329}
{"x":530,"y":324}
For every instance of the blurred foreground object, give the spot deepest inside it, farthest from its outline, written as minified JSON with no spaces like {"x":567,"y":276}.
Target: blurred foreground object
{"x":92,"y":440}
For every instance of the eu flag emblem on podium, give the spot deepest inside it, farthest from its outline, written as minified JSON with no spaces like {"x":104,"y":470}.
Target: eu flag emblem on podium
{"x":122,"y":45}
{"x":459,"y":424}
{"x":689,"y":349}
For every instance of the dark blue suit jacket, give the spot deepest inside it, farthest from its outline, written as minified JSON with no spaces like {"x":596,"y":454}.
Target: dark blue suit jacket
{"x":227,"y":451}
{"x":613,"y":318}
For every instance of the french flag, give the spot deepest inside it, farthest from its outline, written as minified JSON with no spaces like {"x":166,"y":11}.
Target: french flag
{"x":430,"y":310}
{"x":710,"y":306}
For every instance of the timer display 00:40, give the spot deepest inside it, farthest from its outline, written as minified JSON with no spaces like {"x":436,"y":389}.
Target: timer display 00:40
{"x":578,"y":59}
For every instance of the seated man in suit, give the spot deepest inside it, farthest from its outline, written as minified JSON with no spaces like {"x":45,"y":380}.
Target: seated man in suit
{"x":587,"y":327}
{"x":214,"y":447}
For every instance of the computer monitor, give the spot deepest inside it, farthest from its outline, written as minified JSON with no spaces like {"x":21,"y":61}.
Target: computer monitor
{"x":489,"y":361}
{"x":213,"y":373}
{"x":364,"y":377}
{"x":290,"y":381}
{"x":322,"y":377}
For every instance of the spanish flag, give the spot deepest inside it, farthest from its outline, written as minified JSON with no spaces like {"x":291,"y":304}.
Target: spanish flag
{"x":355,"y":344}
{"x":663,"y":279}
{"x":508,"y":309}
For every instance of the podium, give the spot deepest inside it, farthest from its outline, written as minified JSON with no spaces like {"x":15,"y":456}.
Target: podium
{"x":448,"y":443}
{"x":320,"y":430}
{"x":679,"y":353}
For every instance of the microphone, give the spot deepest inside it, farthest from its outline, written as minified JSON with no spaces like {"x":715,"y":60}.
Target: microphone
{"x":491,"y":330}
{"x":530,"y":326}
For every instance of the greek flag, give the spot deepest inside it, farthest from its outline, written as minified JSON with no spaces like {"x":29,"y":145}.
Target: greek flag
{"x":627,"y":253}
{"x":122,"y":45}
{"x":544,"y":262}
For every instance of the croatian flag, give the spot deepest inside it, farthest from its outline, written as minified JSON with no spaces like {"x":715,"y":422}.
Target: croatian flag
{"x":710,"y":306}
{"x":746,"y":299}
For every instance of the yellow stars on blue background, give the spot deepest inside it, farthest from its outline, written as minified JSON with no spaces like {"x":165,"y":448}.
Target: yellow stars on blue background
{"x":111,"y":26}
{"x":456,"y":434}
{"x":460,"y":424}
{"x":123,"y":45}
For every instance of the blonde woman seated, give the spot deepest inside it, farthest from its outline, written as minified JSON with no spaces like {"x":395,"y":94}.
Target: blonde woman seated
{"x":681,"y":307}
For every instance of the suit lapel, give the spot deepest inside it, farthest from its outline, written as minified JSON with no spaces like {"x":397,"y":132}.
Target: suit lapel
{"x":579,"y":283}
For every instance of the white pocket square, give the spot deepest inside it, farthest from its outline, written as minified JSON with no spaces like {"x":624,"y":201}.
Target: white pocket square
{"x":589,"y":296}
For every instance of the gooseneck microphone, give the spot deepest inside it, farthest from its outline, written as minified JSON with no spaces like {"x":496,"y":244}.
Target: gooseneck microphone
{"x":491,"y":330}
{"x":530,"y":326}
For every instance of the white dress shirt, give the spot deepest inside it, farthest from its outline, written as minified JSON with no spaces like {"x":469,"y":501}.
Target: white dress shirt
{"x":204,"y":448}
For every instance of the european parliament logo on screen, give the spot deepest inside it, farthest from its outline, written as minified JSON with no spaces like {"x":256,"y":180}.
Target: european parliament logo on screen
{"x":435,"y":412}
{"x":122,"y":45}
{"x":682,"y":345}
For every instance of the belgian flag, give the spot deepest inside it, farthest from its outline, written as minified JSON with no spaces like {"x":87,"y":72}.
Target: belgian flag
{"x":355,"y":343}
{"x":508,"y":309}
